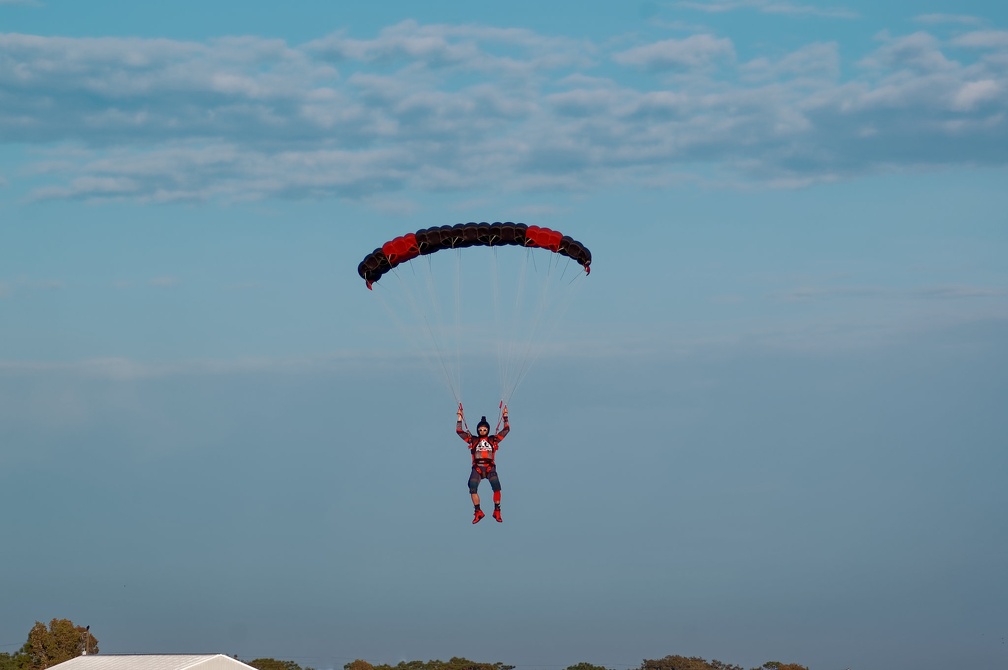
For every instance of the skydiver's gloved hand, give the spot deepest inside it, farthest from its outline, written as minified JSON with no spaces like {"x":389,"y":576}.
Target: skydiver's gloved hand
{"x":505,"y":413}
{"x":460,"y":415}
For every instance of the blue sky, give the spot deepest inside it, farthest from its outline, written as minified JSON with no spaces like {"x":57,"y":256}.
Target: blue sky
{"x":768,"y":426}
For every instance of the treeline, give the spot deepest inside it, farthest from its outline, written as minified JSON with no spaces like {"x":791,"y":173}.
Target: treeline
{"x":47,"y":646}
{"x":61,"y":640}
{"x":456,"y":663}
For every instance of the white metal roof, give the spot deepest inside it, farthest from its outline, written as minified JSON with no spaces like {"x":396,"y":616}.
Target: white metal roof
{"x":152,"y":662}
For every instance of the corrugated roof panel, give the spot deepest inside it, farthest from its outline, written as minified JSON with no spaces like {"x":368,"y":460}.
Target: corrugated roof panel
{"x":152,"y":662}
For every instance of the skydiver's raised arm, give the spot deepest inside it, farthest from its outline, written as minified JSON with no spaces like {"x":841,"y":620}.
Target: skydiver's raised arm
{"x":459,"y":430}
{"x":507,"y":426}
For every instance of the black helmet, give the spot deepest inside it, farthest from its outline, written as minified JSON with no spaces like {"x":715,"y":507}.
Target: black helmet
{"x":483,"y":422}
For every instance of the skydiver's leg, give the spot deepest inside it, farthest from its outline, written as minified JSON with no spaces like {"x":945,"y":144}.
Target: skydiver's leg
{"x":474,"y":480}
{"x":495,"y":485}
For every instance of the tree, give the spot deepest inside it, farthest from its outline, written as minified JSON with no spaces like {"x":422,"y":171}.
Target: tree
{"x":60,"y":642}
{"x":777,"y":665}
{"x":16,"y":661}
{"x":455,"y":663}
{"x":584,"y":666}
{"x":687,"y":663}
{"x":358,"y":665}
{"x":273,"y":664}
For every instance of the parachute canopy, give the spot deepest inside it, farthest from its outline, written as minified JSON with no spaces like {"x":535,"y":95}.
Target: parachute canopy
{"x":429,"y":240}
{"x":517,"y":296}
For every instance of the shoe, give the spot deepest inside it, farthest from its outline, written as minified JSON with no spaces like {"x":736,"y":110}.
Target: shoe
{"x":478,"y":515}
{"x":498,"y":516}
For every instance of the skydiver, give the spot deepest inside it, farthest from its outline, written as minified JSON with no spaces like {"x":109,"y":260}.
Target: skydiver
{"x":483,"y":447}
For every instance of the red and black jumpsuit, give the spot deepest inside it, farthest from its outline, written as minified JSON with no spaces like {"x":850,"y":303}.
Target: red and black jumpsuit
{"x":483,"y":450}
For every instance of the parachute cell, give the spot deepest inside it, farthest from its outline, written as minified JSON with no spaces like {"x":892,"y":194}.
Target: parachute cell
{"x":434,"y":239}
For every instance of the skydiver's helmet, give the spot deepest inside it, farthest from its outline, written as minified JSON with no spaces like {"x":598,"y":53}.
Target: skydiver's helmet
{"x":483,"y":424}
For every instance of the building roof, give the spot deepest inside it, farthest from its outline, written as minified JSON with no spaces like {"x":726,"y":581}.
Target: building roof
{"x":152,"y":662}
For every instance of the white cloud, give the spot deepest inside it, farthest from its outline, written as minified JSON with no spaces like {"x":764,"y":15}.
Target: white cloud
{"x":919,"y":51}
{"x":91,"y":187}
{"x":820,"y":61}
{"x":438,"y":107}
{"x":767,"y":7}
{"x":961,"y":292}
{"x":127,"y":369}
{"x":973,"y":93}
{"x":983,"y":39}
{"x":696,"y":51}
{"x":819,"y":293}
{"x":465,"y":47}
{"x":938,"y":292}
{"x":23,"y":284}
{"x":939,"y":19}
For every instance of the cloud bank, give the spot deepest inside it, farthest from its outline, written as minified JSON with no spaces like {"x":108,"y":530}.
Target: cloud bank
{"x":464,"y":107}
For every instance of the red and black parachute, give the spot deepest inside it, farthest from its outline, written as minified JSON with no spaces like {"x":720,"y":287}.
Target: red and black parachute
{"x":429,"y":240}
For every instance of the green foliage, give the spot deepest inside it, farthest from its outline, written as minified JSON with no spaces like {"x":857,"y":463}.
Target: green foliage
{"x":16,"y":661}
{"x":584,"y":666}
{"x":273,"y":664}
{"x":455,"y":663}
{"x":61,"y":641}
{"x":358,"y":665}
{"x":687,"y":663}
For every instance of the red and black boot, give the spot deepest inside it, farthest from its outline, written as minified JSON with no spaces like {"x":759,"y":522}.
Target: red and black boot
{"x":496,"y":514}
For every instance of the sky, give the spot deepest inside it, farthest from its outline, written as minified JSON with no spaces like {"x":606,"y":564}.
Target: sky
{"x":769,"y":425}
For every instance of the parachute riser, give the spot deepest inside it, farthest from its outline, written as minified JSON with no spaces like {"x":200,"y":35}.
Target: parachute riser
{"x":514,"y":331}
